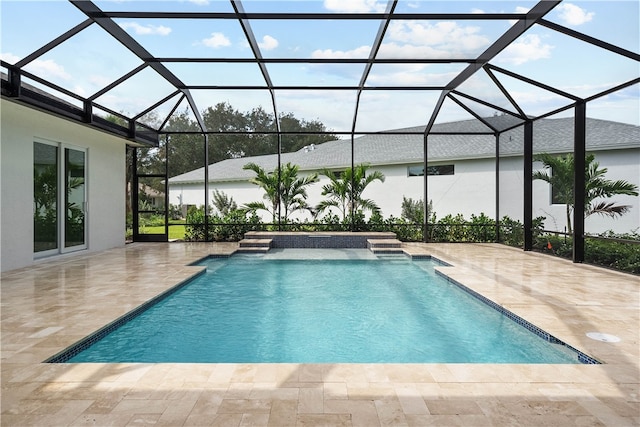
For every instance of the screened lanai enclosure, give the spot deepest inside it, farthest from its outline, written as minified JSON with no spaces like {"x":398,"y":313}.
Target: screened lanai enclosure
{"x":449,"y":103}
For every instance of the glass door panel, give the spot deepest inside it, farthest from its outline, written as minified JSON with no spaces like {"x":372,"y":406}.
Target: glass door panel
{"x":45,"y":198}
{"x":150,"y":196}
{"x":75,"y":198}
{"x":151,"y":212}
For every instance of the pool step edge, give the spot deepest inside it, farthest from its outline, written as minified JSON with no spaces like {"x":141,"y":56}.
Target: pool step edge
{"x":254,"y":245}
{"x":385,"y":246}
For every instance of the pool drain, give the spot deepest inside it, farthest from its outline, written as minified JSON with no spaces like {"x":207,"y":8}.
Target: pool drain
{"x":598,"y":336}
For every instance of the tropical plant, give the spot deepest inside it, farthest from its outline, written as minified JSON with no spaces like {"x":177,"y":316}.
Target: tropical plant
{"x":345,"y":190}
{"x":282,"y":189}
{"x":558,"y":171}
{"x":223,"y":203}
{"x":413,"y":210}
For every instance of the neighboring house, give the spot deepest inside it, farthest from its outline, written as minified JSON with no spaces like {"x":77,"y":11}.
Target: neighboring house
{"x":462,"y":170}
{"x":152,"y":197}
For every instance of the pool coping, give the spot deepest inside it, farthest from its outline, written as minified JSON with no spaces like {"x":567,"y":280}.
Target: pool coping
{"x":86,"y":342}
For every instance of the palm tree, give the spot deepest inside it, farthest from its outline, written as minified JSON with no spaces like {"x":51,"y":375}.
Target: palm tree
{"x":293,"y":192}
{"x":282,"y":188}
{"x":345,"y":191}
{"x":559,"y":173}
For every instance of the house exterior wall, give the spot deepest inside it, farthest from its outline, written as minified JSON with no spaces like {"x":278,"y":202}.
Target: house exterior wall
{"x":20,"y":127}
{"x":470,"y":190}
{"x":620,"y":165}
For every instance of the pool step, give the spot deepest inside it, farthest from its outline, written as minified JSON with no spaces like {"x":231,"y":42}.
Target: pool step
{"x":385,"y":246}
{"x":254,"y":246}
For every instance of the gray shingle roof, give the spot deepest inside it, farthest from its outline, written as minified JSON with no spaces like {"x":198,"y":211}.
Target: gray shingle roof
{"x":550,"y":135}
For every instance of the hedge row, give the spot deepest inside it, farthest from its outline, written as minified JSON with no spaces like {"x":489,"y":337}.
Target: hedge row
{"x":624,"y":256}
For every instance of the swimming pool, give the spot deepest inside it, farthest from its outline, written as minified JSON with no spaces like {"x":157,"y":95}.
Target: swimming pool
{"x":285,"y":308}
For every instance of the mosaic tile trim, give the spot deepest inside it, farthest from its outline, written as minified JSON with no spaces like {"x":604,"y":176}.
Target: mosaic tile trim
{"x":88,"y":341}
{"x":419,"y":257}
{"x":387,"y":251}
{"x":431,"y":257}
{"x":582,"y":358}
{"x":374,"y":245}
{"x":197,"y":262}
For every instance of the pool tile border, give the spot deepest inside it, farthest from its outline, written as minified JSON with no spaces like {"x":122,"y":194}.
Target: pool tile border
{"x":582,"y":357}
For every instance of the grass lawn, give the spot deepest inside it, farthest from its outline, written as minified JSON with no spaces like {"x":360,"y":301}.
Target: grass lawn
{"x":175,"y":231}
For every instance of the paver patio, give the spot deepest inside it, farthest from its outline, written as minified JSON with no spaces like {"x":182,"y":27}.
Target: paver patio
{"x":51,"y":305}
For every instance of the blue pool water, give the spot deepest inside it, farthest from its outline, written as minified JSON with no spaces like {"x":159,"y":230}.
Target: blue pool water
{"x":247,"y":308}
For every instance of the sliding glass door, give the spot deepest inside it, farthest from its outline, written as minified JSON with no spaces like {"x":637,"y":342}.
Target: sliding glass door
{"x":59,"y":199}
{"x":45,"y":198}
{"x":75,"y":199}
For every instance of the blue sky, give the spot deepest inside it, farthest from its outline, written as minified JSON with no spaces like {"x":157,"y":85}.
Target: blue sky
{"x":91,"y":60}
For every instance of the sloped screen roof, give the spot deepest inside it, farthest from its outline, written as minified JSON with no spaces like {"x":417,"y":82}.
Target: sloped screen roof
{"x":356,"y":66}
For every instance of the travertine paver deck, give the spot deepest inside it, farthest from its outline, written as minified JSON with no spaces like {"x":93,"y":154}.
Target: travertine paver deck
{"x":49,"y":306}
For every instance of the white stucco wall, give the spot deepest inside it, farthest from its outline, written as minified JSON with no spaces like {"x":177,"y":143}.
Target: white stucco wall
{"x":469,"y":184}
{"x":19,"y":128}
{"x":620,"y":164}
{"x":471,"y":190}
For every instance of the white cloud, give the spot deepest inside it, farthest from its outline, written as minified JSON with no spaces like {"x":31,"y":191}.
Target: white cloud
{"x":199,"y":2}
{"x":79,"y":90}
{"x":217,"y":40}
{"x":48,"y":69}
{"x":446,"y":36}
{"x":528,"y":48}
{"x":146,"y":30}
{"x":355,"y":6}
{"x":360,"y":52}
{"x":100,"y":81}
{"x":410,"y":75}
{"x":395,"y":50}
{"x":268,"y":43}
{"x":10,"y":57}
{"x":411,"y":39}
{"x":571,"y":14}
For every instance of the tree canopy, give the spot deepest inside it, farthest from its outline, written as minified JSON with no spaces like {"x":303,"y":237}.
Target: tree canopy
{"x":237,"y":134}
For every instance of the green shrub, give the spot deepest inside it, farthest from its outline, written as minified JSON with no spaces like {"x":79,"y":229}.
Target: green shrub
{"x":228,"y":228}
{"x":194,"y":229}
{"x":233,"y":226}
{"x":449,"y":229}
{"x":511,"y":232}
{"x":481,"y":228}
{"x":615,"y":254}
